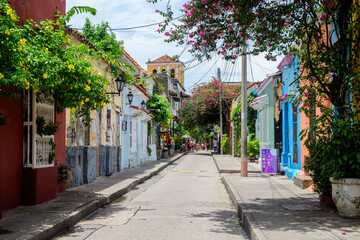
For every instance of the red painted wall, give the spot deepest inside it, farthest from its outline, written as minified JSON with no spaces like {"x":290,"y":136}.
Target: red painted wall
{"x":11,"y":145}
{"x":60,"y":144}
{"x":38,"y":10}
{"x":39,"y":185}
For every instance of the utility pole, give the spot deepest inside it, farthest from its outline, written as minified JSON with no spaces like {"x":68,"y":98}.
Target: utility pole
{"x":244,"y":116}
{"x":221,"y":119}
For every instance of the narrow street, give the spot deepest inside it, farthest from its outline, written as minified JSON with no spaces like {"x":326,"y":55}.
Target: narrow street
{"x":187,"y":200}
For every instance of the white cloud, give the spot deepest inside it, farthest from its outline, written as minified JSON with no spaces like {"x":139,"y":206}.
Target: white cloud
{"x":144,"y":43}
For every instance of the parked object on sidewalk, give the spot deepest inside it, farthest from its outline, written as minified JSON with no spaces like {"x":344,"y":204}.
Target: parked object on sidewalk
{"x":165,"y":153}
{"x":346,"y":195}
{"x":269,"y":160}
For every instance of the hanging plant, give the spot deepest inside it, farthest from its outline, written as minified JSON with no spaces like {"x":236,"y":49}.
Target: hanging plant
{"x":52,"y":153}
{"x":45,"y":129}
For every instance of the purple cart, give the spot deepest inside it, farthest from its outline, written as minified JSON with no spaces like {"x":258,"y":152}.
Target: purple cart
{"x":269,"y":163}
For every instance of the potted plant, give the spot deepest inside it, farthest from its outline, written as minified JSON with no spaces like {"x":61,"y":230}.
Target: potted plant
{"x":253,"y":147}
{"x":335,"y":165}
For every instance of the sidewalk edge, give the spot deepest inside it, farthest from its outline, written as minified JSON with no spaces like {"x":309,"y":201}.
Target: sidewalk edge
{"x":248,"y":222}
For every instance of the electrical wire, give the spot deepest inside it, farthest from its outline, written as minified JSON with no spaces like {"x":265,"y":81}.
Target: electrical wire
{"x":204,"y":74}
{"x":129,"y":28}
{"x":261,"y":67}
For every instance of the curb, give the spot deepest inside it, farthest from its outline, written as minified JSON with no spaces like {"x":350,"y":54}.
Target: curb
{"x":217,"y":166}
{"x":75,"y":217}
{"x":248,"y":222}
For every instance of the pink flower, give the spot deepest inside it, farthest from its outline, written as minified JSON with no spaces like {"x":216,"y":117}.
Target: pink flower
{"x":285,"y":95}
{"x":156,"y":10}
{"x":166,"y":33}
{"x":296,"y":105}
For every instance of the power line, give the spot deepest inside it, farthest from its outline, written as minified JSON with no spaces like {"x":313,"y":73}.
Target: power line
{"x":204,"y":74}
{"x":129,"y":28}
{"x":261,"y":67}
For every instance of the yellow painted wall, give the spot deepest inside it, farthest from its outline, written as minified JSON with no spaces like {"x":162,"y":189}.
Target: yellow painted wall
{"x":178,"y":67}
{"x":74,"y":123}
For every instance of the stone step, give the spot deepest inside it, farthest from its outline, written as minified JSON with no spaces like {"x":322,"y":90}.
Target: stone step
{"x":303,"y":181}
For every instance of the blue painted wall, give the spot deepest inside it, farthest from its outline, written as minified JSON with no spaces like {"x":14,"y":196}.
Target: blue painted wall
{"x":288,"y":164}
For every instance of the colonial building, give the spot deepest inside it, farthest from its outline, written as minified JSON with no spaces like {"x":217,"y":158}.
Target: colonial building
{"x":94,"y":150}
{"x":174,"y":68}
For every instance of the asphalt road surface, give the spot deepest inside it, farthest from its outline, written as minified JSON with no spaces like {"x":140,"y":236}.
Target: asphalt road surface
{"x":187,"y":200}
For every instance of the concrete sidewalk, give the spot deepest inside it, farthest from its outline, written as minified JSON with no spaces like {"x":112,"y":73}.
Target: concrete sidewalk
{"x":272,"y":207}
{"x":230,"y":164}
{"x":45,"y":220}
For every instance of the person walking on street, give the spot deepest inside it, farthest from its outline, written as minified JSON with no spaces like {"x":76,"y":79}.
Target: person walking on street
{"x":215,"y":142}
{"x":190,"y":145}
{"x":171,"y":146}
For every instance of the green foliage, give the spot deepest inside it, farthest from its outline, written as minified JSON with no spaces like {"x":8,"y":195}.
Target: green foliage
{"x":149,"y":128}
{"x":45,"y":129}
{"x":41,"y":58}
{"x":149,"y":151}
{"x":78,"y":10}
{"x":236,"y":118}
{"x":203,"y":108}
{"x":160,"y":108}
{"x":111,"y":49}
{"x":158,"y":89}
{"x":334,"y":155}
{"x":225,"y":144}
{"x":253,"y":146}
{"x":52,"y":153}
{"x":251,"y":116}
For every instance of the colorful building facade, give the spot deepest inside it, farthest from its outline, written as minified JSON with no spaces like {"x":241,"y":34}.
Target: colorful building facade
{"x":29,"y":177}
{"x":291,"y":160}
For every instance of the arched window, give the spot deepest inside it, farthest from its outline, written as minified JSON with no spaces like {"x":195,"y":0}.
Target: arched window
{"x":154,"y":71}
{"x":172,"y":73}
{"x":163,"y":71}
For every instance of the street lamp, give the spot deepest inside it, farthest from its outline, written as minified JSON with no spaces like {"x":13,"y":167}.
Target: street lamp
{"x":120,"y":83}
{"x":130,"y":97}
{"x":175,"y":86}
{"x":143,"y":104}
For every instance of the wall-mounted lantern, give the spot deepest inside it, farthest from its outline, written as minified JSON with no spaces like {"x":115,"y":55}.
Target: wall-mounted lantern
{"x":175,"y":86}
{"x":130,"y":98}
{"x":143,"y":104}
{"x":120,"y":83}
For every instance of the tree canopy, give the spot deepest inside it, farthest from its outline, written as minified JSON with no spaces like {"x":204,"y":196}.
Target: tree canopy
{"x":202,"y":108}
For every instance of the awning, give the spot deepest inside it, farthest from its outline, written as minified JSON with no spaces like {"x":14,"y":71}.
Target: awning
{"x":260,"y":102}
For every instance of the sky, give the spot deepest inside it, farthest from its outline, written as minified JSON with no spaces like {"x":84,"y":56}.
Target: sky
{"x":145,"y":43}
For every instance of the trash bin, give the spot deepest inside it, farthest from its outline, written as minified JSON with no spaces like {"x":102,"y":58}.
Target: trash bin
{"x":165,"y":153}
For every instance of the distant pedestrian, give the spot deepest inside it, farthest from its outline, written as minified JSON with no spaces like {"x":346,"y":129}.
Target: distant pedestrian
{"x":190,"y":145}
{"x":171,"y":146}
{"x":215,"y":142}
